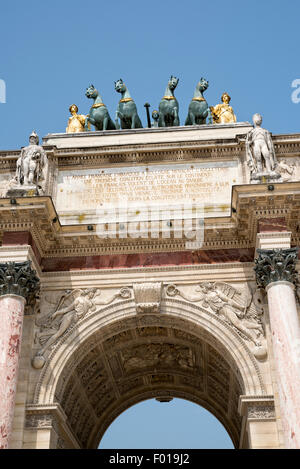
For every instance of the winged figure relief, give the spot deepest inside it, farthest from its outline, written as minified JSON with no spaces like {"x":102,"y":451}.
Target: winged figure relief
{"x":72,"y":306}
{"x":232,"y":305}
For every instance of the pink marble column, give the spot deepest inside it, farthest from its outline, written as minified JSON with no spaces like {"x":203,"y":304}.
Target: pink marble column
{"x":11,"y":322}
{"x":275,"y":271}
{"x":18,"y":284}
{"x":285,"y":328}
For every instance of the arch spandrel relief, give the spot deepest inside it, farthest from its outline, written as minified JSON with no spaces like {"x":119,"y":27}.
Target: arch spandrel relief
{"x":238,"y":308}
{"x":114,"y":356}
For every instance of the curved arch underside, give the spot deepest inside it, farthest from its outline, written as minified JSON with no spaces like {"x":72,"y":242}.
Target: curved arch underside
{"x":110,"y":372}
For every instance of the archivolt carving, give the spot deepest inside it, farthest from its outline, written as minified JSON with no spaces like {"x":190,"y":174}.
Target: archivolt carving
{"x":77,"y":304}
{"x":235,"y":307}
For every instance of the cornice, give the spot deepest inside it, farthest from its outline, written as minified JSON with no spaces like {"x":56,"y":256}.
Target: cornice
{"x":237,"y":231}
{"x":181,"y":150}
{"x":174,"y":268}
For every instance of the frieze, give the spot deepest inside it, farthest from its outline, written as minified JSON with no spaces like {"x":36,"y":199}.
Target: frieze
{"x":260,"y":407}
{"x":39,"y":421}
{"x":261,"y":411}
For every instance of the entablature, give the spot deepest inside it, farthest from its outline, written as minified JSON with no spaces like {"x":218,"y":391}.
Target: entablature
{"x":253,"y":208}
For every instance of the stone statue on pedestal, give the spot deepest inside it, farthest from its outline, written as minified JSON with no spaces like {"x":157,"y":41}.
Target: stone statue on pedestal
{"x":31,"y":170}
{"x":261,"y":156}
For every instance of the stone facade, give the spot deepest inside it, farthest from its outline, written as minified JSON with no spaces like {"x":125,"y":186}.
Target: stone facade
{"x":144,"y":244}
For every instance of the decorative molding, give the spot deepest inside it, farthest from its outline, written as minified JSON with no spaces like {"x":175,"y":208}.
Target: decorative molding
{"x":257,"y":407}
{"x":41,"y":421}
{"x":274,"y":265}
{"x":51,"y":416}
{"x":261,"y":411}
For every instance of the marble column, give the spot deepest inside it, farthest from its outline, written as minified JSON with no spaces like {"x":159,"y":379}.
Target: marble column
{"x":18,"y":285}
{"x":275,"y":271}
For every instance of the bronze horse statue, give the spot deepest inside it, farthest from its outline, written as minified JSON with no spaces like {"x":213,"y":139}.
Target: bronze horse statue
{"x":169,"y":107}
{"x":126,"y":111}
{"x":99,"y":115}
{"x":198,"y":108}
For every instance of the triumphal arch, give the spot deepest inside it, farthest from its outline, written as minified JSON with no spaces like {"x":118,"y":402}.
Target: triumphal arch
{"x":150,"y":263}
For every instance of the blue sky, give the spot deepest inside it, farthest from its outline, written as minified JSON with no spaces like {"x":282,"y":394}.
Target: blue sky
{"x":51,"y":51}
{"x":175,"y":424}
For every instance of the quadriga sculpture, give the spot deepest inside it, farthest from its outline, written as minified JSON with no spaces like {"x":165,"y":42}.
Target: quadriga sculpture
{"x":198,"y":108}
{"x":169,"y":107}
{"x":98,"y":115}
{"x":126,"y":111}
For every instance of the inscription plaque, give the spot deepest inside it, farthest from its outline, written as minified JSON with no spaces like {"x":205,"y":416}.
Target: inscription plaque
{"x":208,"y":184}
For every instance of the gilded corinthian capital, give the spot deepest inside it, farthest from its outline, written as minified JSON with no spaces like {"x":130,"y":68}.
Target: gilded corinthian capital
{"x":18,"y":278}
{"x":274,"y":265}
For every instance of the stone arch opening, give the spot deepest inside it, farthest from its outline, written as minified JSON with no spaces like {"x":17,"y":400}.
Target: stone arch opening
{"x":164,"y":423}
{"x":123,"y":358}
